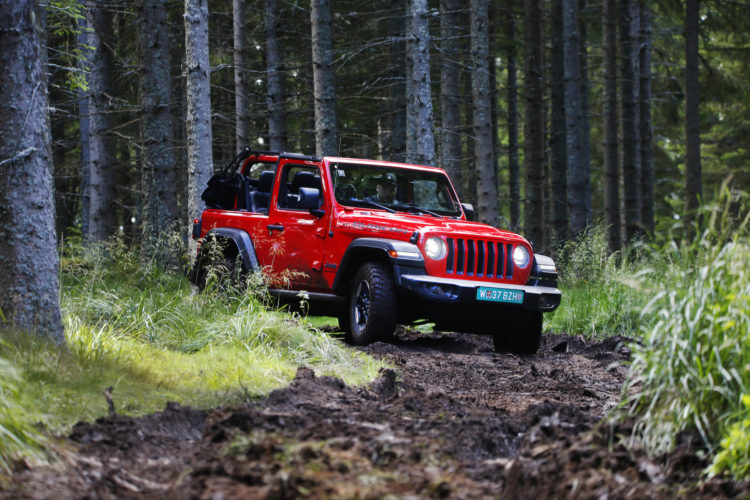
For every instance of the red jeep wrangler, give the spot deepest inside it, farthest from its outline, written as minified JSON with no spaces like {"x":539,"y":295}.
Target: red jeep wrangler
{"x":381,"y":243}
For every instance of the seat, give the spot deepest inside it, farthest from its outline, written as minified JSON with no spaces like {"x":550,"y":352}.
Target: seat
{"x":302,"y":179}
{"x":261,"y":197}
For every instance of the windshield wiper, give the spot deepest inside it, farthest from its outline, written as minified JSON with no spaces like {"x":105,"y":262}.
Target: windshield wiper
{"x":374,"y":205}
{"x":419,"y":210}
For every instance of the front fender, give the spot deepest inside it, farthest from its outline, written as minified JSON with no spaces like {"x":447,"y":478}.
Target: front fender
{"x":396,"y":252}
{"x":243,"y":242}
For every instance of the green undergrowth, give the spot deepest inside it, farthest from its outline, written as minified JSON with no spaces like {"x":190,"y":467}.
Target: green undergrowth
{"x":601,"y":292}
{"x":152,"y":338}
{"x":691,"y":369}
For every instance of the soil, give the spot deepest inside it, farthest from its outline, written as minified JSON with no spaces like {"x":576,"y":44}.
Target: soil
{"x":453,"y":419}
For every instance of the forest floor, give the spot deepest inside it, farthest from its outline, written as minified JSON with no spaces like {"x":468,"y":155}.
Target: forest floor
{"x":454,"y":420}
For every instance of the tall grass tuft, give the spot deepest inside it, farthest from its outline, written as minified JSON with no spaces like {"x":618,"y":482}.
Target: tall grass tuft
{"x":599,"y":293}
{"x":19,"y":439}
{"x":692,"y":368}
{"x":148,"y":333}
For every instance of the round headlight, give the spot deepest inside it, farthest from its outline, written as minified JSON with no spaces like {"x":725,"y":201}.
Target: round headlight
{"x":435,"y":248}
{"x":521,"y":256}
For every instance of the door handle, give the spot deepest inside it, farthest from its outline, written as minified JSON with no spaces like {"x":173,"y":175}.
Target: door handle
{"x":275,"y":227}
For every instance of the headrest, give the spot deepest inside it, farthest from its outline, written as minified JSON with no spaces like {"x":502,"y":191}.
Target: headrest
{"x":304,"y":178}
{"x":265,"y":181}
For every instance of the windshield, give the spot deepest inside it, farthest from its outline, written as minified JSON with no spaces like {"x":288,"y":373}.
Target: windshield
{"x":397,"y":189}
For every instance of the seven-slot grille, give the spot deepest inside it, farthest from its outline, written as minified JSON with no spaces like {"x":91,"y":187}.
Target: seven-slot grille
{"x":489,"y":259}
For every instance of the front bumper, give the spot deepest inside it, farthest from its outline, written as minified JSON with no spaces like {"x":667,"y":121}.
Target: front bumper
{"x":455,"y":291}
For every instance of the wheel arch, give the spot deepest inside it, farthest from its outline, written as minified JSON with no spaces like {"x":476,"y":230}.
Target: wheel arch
{"x":240,"y":241}
{"x":363,"y":250}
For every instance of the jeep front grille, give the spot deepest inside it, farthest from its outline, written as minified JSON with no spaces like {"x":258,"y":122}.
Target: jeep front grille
{"x":480,"y":258}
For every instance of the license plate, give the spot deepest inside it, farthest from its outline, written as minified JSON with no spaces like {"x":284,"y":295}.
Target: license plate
{"x":500,"y":295}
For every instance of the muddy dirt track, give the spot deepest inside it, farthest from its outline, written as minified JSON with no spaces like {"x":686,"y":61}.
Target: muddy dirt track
{"x":453,"y":420}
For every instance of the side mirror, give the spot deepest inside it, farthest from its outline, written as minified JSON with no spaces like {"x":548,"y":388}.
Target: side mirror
{"x":468,"y":210}
{"x":309,"y":199}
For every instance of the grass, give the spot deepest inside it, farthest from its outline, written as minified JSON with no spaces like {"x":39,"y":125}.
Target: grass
{"x":151,"y":337}
{"x":691,"y":370}
{"x":601,"y":294}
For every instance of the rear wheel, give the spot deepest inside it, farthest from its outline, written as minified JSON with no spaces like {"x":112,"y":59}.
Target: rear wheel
{"x":524,"y":336}
{"x":372,"y":305}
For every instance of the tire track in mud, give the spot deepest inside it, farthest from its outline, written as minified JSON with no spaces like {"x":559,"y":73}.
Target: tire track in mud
{"x":453,"y":419}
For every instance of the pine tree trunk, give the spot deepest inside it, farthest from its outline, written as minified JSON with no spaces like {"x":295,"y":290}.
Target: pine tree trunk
{"x":585,"y":111}
{"x":97,"y":190}
{"x":557,"y":139}
{"x":646,"y":126}
{"x":484,"y":157}
{"x":421,"y":100}
{"x":630,"y":166}
{"x":577,"y":181}
{"x":326,"y":133}
{"x":514,"y":176}
{"x":29,"y":291}
{"x":198,"y":90}
{"x":241,"y":92}
{"x":397,"y":92}
{"x":450,"y":92}
{"x":609,"y":112}
{"x":158,"y":169}
{"x":276,"y":89}
{"x":534,"y":125}
{"x":693,"y":182}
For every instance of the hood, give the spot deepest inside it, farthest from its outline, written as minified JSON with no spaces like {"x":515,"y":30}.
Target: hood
{"x":402,"y":225}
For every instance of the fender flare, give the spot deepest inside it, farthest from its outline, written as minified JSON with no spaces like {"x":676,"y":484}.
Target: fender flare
{"x":242,"y":241}
{"x":407,"y":253}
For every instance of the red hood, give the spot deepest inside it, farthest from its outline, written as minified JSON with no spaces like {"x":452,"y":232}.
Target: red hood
{"x":402,"y":226}
{"x":474,"y":251}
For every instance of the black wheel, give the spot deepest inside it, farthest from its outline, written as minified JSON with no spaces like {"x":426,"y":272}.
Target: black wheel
{"x":524,"y":336}
{"x":372,"y":305}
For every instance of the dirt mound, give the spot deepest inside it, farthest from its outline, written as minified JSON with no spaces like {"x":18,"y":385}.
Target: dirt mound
{"x":452,"y":419}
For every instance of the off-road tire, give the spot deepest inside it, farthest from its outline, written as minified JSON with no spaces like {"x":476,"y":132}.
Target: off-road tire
{"x":524,"y":336}
{"x":372,"y":305}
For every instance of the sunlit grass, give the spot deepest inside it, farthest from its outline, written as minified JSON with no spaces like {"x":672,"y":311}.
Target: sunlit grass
{"x":154,"y":339}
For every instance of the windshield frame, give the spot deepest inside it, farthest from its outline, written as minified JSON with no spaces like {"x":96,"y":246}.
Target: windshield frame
{"x":420,"y":191}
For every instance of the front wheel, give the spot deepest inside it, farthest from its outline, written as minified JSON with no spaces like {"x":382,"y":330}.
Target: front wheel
{"x":524,"y":336}
{"x":372,"y":304}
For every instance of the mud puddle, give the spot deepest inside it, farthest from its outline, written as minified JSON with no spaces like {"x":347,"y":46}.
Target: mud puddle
{"x":453,"y":420}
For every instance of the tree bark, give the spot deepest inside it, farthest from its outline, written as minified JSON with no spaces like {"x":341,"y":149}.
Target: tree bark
{"x":277,"y":133}
{"x":97,"y":148}
{"x":241,"y":91}
{"x":397,"y":92}
{"x":158,"y":169}
{"x":450,"y":92}
{"x":585,"y":111}
{"x":326,"y":132}
{"x":646,"y":126}
{"x":421,"y":100}
{"x":29,"y":292}
{"x":514,"y":176}
{"x":198,"y":92}
{"x":630,"y":166}
{"x":693,"y":182}
{"x":609,"y":112}
{"x":484,"y":156}
{"x":577,"y":179}
{"x":534,"y":125}
{"x":558,"y":131}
